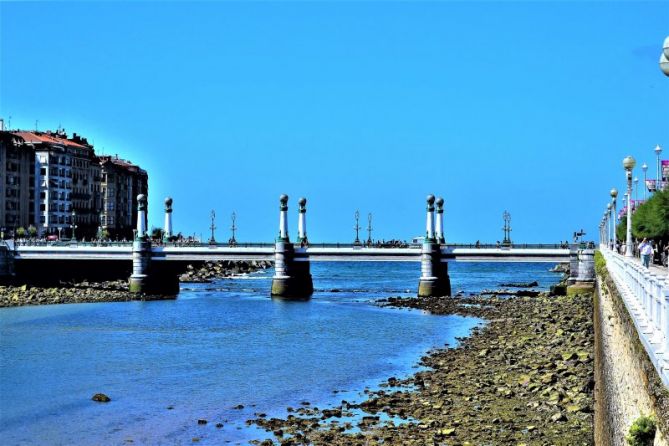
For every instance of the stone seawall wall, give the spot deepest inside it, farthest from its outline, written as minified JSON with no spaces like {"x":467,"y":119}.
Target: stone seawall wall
{"x":627,"y":384}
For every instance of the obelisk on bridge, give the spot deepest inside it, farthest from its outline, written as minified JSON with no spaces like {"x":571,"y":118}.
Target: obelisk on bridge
{"x":141,"y":250}
{"x":292,"y":275}
{"x":434,"y":280}
{"x":439,"y":225}
{"x":167,"y":233}
{"x":302,"y":222}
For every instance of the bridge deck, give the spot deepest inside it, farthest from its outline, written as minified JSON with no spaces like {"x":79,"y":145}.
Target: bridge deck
{"x":322,"y":253}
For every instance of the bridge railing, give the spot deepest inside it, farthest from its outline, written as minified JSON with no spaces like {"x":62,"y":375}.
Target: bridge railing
{"x":394,"y":245}
{"x":646,"y":295}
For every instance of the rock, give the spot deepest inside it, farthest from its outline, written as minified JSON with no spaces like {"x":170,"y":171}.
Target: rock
{"x":101,"y":398}
{"x":201,"y":421}
{"x":566,"y":356}
{"x":558,"y":417}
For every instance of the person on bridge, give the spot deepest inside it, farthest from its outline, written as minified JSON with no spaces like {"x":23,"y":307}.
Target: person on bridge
{"x":646,"y":250}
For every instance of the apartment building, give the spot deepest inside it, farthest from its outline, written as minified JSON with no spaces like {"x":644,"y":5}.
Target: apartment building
{"x":121,"y":181}
{"x":58,"y":185}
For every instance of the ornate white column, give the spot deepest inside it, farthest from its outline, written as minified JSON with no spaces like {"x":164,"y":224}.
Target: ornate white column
{"x":141,"y":216}
{"x":283,"y":218}
{"x":141,"y":250}
{"x":302,"y":221}
{"x":429,"y":228}
{"x":439,"y":226}
{"x":167,"y":233}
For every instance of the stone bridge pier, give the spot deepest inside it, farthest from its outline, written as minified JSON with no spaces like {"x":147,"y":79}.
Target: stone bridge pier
{"x":151,"y":277}
{"x":292,"y":273}
{"x":434,"y":279}
{"x":6,"y":263}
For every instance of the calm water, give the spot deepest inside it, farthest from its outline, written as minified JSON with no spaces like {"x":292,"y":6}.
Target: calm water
{"x":218,"y":345}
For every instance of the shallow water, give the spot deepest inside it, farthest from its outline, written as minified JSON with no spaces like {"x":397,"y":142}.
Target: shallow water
{"x":217,"y":346}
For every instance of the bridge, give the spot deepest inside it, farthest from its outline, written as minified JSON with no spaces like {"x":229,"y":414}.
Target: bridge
{"x":323,"y":252}
{"x":156,"y":267}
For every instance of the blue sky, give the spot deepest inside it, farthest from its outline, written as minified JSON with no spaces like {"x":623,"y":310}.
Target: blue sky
{"x":528,"y":107}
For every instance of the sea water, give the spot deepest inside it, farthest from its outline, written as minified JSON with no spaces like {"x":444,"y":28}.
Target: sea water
{"x":219,"y":346}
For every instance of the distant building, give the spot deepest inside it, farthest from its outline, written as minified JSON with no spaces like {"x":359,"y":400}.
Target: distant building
{"x":54,"y":182}
{"x":120,"y":183}
{"x":17,"y":191}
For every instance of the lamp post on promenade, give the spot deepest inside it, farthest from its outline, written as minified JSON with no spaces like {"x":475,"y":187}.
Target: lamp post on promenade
{"x":658,"y":180}
{"x":636,"y":189}
{"x":369,"y":229}
{"x":628,"y":164}
{"x":609,"y":230}
{"x":644,"y":167}
{"x":74,"y":226}
{"x":614,"y":195}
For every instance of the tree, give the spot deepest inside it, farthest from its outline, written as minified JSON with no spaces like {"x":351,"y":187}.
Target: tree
{"x":20,"y":232}
{"x":32,"y":231}
{"x":156,"y":233}
{"x":621,"y":230}
{"x":651,"y":219}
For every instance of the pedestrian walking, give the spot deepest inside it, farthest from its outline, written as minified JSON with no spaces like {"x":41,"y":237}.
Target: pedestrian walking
{"x":646,"y":250}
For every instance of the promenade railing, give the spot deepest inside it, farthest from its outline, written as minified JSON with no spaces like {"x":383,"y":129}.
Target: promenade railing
{"x":645,"y":292}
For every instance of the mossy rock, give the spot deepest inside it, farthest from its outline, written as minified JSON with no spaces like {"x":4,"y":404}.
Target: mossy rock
{"x":580,"y":289}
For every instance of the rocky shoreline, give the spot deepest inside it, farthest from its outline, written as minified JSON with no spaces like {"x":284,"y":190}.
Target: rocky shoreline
{"x":112,"y":291}
{"x":210,"y":271}
{"x":117,"y":290}
{"x":526,"y":378}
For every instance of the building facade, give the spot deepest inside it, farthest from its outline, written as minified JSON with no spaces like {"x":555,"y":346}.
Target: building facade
{"x":17,"y":188}
{"x":60,"y":186}
{"x":120,"y":183}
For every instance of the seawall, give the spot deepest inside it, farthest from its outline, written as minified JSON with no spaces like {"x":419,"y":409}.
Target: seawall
{"x":626,"y":382}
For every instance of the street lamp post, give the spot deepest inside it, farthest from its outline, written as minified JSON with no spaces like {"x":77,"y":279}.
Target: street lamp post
{"x":664,"y":57}
{"x":507,"y":228}
{"x":609,"y":229}
{"x":369,"y":229}
{"x":658,"y":181}
{"x":614,"y":195}
{"x":233,"y":228}
{"x":636,"y":189}
{"x":74,"y":226}
{"x":212,"y":227}
{"x":644,"y":167}
{"x":628,"y":164}
{"x":357,"y":228}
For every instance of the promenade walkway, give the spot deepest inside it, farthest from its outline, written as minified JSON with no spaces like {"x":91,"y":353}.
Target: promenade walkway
{"x":645,"y":292}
